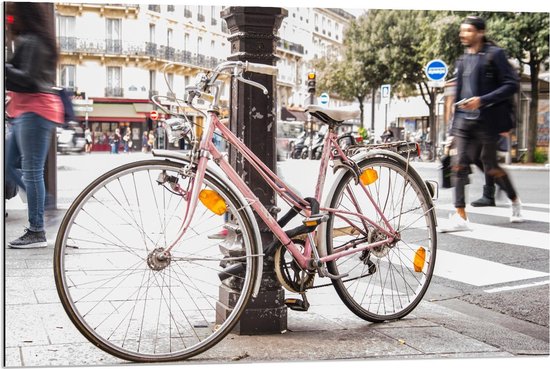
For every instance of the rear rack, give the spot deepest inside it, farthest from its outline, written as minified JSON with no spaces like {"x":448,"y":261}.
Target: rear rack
{"x":404,"y":148}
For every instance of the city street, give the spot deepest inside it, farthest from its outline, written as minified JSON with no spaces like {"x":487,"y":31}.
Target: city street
{"x":489,"y":297}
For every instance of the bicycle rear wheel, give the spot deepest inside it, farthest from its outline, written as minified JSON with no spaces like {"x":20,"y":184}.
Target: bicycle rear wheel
{"x":384,"y":282}
{"x":121,"y":288}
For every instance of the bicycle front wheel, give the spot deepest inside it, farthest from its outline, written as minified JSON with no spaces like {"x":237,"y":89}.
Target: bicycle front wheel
{"x":385,"y":282}
{"x":121,"y":287}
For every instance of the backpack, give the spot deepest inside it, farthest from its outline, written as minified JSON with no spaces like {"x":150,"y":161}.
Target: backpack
{"x":511,"y":103}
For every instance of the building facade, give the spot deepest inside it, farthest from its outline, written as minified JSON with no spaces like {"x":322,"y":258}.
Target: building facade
{"x":114,"y":57}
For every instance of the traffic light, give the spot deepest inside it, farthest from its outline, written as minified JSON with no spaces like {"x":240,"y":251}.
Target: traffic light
{"x":311,"y":82}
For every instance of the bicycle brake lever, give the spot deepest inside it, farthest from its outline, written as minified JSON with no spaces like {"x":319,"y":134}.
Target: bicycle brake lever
{"x":253,"y":83}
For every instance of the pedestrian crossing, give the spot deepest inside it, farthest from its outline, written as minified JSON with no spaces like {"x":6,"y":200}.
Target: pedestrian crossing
{"x":477,"y":271}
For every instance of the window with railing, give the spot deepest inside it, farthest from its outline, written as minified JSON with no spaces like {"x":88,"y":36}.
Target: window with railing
{"x":154,"y":8}
{"x":114,"y":82}
{"x":200,"y":13}
{"x":225,"y":29}
{"x":170,"y":8}
{"x":213,"y":15}
{"x":113,"y":39}
{"x":67,"y":76}
{"x":187,"y":11}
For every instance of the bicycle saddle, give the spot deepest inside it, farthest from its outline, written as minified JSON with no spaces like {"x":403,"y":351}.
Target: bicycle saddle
{"x":336,"y":115}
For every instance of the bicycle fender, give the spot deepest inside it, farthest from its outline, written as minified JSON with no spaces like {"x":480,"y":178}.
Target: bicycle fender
{"x":216,"y":172}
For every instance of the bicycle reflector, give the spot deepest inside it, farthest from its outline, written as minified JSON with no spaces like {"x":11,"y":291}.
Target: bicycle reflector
{"x":368,"y":176}
{"x":419,"y":259}
{"x":213,"y":201}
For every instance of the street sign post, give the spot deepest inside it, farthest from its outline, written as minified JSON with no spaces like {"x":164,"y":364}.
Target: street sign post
{"x":324,"y":99}
{"x":385,"y":93}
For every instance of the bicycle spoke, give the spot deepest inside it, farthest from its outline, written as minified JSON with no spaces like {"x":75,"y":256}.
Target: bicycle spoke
{"x":399,"y":276}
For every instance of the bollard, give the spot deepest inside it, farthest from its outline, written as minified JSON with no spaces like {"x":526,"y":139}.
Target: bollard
{"x":253,"y":118}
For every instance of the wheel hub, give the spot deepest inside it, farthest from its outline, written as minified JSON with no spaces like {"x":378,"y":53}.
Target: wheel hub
{"x":158,"y":259}
{"x":382,"y":250}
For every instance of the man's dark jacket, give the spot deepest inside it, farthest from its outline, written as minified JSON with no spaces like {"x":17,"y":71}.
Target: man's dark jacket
{"x":497,"y":84}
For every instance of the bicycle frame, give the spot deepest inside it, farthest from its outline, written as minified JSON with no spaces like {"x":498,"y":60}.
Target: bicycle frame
{"x":208,"y":151}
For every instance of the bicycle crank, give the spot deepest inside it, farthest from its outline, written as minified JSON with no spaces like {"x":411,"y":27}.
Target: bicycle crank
{"x":289,"y":273}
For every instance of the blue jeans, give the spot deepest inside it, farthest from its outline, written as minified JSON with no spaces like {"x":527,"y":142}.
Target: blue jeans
{"x":29,"y":145}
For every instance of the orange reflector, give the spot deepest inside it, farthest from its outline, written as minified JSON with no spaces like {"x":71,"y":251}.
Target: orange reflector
{"x":368,"y":176}
{"x":213,"y":201}
{"x":419,"y":259}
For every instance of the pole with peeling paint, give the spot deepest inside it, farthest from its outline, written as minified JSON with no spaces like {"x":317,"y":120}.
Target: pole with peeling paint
{"x":253,"y":119}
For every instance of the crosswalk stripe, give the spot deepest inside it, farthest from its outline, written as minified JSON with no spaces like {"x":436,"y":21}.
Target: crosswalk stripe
{"x":505,"y":235}
{"x":511,"y":288}
{"x":532,"y":215}
{"x":536,"y":205}
{"x":479,"y":272}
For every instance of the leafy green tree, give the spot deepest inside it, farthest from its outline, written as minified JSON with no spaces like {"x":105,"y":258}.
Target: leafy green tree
{"x":525,"y":37}
{"x":361,"y":71}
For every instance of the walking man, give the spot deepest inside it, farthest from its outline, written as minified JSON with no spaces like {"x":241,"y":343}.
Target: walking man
{"x":485,"y":84}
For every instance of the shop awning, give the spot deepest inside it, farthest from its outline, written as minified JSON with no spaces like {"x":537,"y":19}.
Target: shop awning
{"x":102,"y":112}
{"x":291,"y":115}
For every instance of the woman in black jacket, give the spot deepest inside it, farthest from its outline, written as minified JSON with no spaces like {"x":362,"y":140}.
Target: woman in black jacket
{"x":34,"y":108}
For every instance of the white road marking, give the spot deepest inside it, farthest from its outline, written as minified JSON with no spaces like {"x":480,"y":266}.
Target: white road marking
{"x":479,"y":272}
{"x":501,"y":211}
{"x":510,"y":236}
{"x":510,"y":288}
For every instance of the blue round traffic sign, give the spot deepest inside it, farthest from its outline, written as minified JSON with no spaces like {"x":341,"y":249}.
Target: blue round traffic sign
{"x":436,"y":70}
{"x":324,"y":98}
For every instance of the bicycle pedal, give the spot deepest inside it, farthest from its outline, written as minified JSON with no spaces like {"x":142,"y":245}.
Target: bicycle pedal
{"x":297,"y":304}
{"x":315,"y":220}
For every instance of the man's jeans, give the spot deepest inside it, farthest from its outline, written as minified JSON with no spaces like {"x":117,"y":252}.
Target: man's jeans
{"x":29,"y":144}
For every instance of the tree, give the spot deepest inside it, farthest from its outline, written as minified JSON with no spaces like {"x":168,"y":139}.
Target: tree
{"x":525,"y":37}
{"x":361,"y":71}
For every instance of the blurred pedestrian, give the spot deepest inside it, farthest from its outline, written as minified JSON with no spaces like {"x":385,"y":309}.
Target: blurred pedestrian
{"x":116,"y":141}
{"x":89,"y":140}
{"x":485,"y":83}
{"x":144,"y":141}
{"x":151,"y":141}
{"x":127,"y":140}
{"x":35,"y":107}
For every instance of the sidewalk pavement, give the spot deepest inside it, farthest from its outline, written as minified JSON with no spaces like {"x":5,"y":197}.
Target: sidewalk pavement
{"x":39,"y":333}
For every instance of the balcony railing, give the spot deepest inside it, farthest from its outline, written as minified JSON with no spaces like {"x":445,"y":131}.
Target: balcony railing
{"x":111,"y":91}
{"x":170,"y":8}
{"x":67,"y":43}
{"x":291,"y":46}
{"x":113,"y":46}
{"x":141,"y":49}
{"x":187,"y":13}
{"x":151,"y":49}
{"x":200,"y":17}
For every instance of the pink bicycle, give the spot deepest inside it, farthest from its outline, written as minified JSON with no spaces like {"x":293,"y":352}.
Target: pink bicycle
{"x":140,"y":275}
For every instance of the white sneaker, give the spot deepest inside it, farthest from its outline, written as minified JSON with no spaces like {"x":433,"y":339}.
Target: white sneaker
{"x":516,"y":212}
{"x":455,"y":224}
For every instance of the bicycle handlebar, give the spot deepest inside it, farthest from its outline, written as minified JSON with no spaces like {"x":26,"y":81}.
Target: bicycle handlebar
{"x":260,"y":68}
